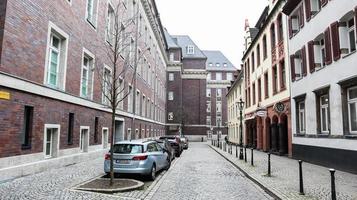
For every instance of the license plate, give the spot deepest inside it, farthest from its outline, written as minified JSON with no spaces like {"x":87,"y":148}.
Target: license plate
{"x":123,"y":161}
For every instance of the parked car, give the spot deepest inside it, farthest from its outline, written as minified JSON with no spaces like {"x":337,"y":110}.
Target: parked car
{"x":175,"y":144}
{"x":165,"y":144}
{"x":138,"y":157}
{"x":184,"y":140}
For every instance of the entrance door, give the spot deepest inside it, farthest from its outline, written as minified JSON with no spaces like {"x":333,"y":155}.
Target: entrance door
{"x":105,"y":138}
{"x":119,"y":135}
{"x":51,"y":141}
{"x":84,"y":140}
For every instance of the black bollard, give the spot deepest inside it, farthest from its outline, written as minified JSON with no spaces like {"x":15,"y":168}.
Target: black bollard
{"x":251,"y":158}
{"x":245,"y":154}
{"x":301,"y":179}
{"x":236,"y":151}
{"x":269,"y":167}
{"x":333,"y":186}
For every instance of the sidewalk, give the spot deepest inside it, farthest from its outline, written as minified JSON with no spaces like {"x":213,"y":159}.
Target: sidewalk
{"x":284,"y":181}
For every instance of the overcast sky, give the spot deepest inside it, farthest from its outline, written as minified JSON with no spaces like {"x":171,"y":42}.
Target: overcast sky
{"x":212,"y":24}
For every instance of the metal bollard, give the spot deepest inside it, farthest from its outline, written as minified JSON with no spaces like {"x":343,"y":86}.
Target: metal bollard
{"x":269,"y":166}
{"x":301,"y":179}
{"x":245,"y":154}
{"x":333,"y":186}
{"x":251,"y":158}
{"x":236,"y":151}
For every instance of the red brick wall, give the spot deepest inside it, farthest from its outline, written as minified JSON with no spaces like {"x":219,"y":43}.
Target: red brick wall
{"x":3,"y":4}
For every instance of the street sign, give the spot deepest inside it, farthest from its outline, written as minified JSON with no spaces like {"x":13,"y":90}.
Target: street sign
{"x":4,"y":95}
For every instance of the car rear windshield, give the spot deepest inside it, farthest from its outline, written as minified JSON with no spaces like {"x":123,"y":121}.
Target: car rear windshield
{"x":128,"y":148}
{"x":169,"y":138}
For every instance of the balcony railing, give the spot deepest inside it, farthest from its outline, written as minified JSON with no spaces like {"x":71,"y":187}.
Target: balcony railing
{"x":273,"y":55}
{"x":281,"y":49}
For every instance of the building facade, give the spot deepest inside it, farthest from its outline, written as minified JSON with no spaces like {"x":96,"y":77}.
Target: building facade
{"x":197,"y":82}
{"x":267,"y":91}
{"x":322,"y":50}
{"x":220,"y":74}
{"x":52,"y":108}
{"x":236,"y":94}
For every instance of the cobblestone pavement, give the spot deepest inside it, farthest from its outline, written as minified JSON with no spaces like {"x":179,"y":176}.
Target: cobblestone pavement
{"x":285,"y":177}
{"x":201,"y":173}
{"x":55,"y":184}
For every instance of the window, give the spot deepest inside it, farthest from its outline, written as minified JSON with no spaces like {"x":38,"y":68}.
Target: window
{"x":265,"y":48}
{"x":259,"y":90}
{"x":105,"y":138}
{"x":315,"y":6}
{"x":208,"y":120}
{"x":219,"y":121}
{"x":219,"y":93}
{"x":253,"y":62}
{"x":218,"y":76}
{"x":266,"y":85}
{"x":324,"y":114}
{"x":301,"y":127}
{"x":130,"y":99}
{"x":275,"y":80}
{"x":298,"y":64}
{"x":171,"y":96}
{"x":27,"y":127}
{"x":129,"y":134}
{"x":258,"y":55}
{"x":272,"y":36}
{"x":87,"y":74}
{"x":351,"y":35}
{"x":143,"y":107}
{"x":219,"y":107}
{"x":91,"y":14}
{"x":209,"y":76}
{"x":208,"y":106}
{"x":110,"y":25}
{"x":96,"y":127}
{"x":210,"y":64}
{"x":172,"y":57}
{"x":352,"y":109}
{"x":55,"y":71}
{"x":70,"y":128}
{"x":137,"y":103}
{"x":296,"y":21}
{"x":171,"y":76}
{"x":253,"y":90}
{"x":208,"y":92}
{"x":225,"y":65}
{"x":106,"y":86}
{"x":282,"y":75}
{"x":170,"y":116}
{"x":218,"y":65}
{"x":190,"y":50}
{"x":229,"y":76}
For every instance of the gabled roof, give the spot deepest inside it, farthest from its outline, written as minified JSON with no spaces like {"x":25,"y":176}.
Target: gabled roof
{"x":184,"y":41}
{"x":218,"y":57}
{"x":171,"y":43}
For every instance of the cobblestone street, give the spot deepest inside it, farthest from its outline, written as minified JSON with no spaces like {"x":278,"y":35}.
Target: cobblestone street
{"x":203,"y":174}
{"x":200,"y":173}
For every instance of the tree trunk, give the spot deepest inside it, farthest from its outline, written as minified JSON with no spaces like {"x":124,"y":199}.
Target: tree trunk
{"x":111,"y":149}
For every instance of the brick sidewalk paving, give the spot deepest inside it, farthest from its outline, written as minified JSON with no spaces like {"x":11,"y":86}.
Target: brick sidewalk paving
{"x":284,"y":181}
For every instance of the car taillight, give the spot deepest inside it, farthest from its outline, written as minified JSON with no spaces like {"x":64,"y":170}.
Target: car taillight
{"x":107,"y":156}
{"x":140,"y":157}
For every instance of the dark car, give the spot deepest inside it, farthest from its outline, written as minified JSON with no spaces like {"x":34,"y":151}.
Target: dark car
{"x":175,"y":143}
{"x":184,"y":140}
{"x":165,"y":144}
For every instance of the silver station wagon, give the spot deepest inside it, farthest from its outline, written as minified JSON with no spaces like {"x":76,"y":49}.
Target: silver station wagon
{"x":138,"y":157}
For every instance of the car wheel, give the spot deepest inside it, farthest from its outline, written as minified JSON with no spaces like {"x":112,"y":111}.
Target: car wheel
{"x":152,"y":175}
{"x":178,"y":154}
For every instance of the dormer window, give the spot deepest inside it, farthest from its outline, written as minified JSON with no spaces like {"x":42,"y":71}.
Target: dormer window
{"x":218,"y":65}
{"x":224,"y":64}
{"x":210,"y":64}
{"x":190,"y":50}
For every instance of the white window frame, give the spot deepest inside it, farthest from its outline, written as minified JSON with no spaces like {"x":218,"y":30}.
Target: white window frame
{"x":54,"y":29}
{"x":220,"y":75}
{"x":90,"y":73}
{"x":171,"y":76}
{"x":109,"y":29}
{"x":325,"y":109}
{"x":171,"y":96}
{"x":51,"y":126}
{"x":170,"y":116}
{"x":351,"y":29}
{"x":209,"y":106}
{"x":129,"y":133}
{"x":229,"y":76}
{"x":137,"y":102}
{"x":351,"y":101}
{"x":190,"y":50}
{"x":208,"y":92}
{"x":93,"y":21}
{"x":302,"y":129}
{"x":143,"y":106}
{"x":106,"y":87}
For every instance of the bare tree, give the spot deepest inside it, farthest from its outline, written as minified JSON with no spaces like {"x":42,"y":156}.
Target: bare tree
{"x":122,"y":52}
{"x":182,"y":117}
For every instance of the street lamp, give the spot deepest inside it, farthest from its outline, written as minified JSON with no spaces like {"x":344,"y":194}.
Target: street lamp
{"x":241,"y":107}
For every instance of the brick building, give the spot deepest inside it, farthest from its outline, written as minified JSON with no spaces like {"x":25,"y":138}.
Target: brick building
{"x":322,"y":49}
{"x":267,"y":91}
{"x":51,"y":101}
{"x":197,"y":83}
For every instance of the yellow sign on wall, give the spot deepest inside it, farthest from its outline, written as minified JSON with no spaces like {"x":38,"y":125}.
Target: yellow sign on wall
{"x":4,"y":95}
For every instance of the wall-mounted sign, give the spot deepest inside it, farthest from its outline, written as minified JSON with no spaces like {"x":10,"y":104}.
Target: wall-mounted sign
{"x":4,"y":95}
{"x":261,"y":112}
{"x":171,"y":116}
{"x":279,"y":107}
